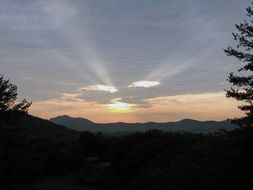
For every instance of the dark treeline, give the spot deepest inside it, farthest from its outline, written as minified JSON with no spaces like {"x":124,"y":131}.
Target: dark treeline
{"x":150,"y":160}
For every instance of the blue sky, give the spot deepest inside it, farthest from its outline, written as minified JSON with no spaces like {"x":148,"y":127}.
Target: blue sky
{"x":96,"y":52}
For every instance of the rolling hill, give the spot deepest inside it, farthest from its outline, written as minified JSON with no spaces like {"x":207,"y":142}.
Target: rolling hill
{"x":187,"y":125}
{"x":34,"y":127}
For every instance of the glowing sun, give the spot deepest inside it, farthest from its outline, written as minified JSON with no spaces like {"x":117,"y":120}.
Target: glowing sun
{"x":120,"y":107}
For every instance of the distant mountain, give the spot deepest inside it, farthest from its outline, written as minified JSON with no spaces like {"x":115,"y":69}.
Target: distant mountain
{"x":79,"y":124}
{"x":34,"y":127}
{"x":187,"y":125}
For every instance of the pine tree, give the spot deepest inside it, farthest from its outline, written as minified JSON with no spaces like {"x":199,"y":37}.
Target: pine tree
{"x":9,"y":110}
{"x":243,"y":83}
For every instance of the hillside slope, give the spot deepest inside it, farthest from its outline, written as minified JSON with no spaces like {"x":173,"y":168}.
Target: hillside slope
{"x":34,"y":127}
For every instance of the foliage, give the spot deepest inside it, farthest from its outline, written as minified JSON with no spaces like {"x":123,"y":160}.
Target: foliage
{"x":243,"y":83}
{"x":8,"y":95}
{"x":151,"y":160}
{"x":10,"y":112}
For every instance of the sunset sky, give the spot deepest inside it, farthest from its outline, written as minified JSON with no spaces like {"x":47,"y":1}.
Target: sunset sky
{"x":121,"y":60}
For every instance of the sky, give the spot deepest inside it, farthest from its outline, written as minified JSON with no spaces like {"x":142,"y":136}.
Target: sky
{"x":121,"y":60}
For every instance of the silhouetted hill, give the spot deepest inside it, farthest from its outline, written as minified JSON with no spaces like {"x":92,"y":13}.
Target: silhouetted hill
{"x":34,"y":127}
{"x":187,"y":125}
{"x":79,"y":124}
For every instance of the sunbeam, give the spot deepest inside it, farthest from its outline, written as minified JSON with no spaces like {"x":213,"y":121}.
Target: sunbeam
{"x":168,"y":68}
{"x":77,"y":37}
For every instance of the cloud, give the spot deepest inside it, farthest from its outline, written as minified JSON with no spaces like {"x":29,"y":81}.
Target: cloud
{"x":75,"y":96}
{"x":100,"y":87}
{"x":92,"y":110}
{"x":202,"y":106}
{"x":117,"y":105}
{"x":144,"y":84}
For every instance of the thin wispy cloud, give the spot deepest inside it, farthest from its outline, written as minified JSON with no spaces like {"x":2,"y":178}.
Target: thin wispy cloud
{"x":100,"y":87}
{"x":144,"y":84}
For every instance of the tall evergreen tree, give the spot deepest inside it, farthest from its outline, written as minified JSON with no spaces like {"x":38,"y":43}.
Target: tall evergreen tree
{"x":243,"y":83}
{"x":9,"y":110}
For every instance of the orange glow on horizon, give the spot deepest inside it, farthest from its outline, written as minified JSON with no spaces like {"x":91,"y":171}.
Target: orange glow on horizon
{"x":205,"y":106}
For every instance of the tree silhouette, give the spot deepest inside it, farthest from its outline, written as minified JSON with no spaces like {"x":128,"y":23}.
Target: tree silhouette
{"x":243,"y":84}
{"x":9,"y":110}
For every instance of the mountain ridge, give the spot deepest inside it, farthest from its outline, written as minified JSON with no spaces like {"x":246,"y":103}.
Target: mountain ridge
{"x":187,"y":125}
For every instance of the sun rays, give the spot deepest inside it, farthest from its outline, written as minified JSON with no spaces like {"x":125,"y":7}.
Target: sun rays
{"x":84,"y":57}
{"x":87,"y":62}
